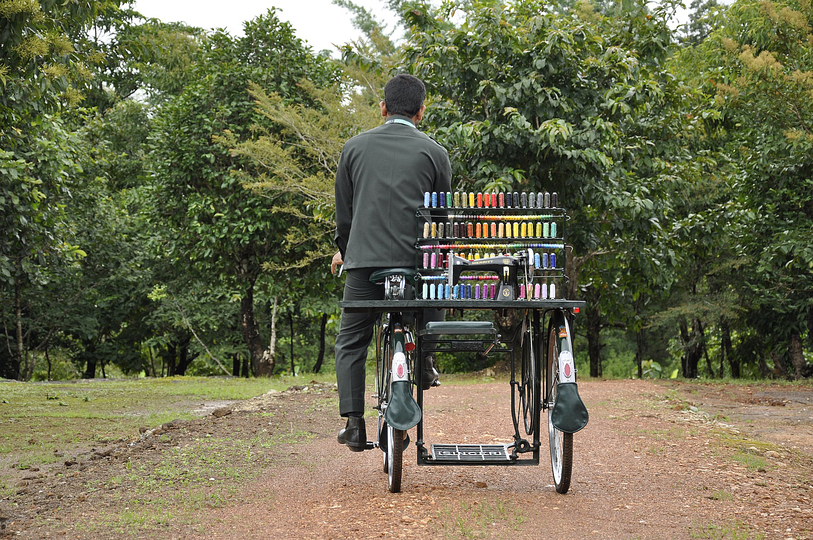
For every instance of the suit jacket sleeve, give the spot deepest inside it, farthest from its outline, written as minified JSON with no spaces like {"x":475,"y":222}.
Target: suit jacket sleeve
{"x":344,"y":205}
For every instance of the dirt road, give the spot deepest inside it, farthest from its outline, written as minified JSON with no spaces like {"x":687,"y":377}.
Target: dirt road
{"x":657,"y":460}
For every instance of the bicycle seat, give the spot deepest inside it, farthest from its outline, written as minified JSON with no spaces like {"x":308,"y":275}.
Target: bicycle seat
{"x":379,"y":276}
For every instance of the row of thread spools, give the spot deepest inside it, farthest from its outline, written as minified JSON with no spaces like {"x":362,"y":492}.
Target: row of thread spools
{"x":468,"y":229}
{"x":434,"y":261}
{"x":465,"y":291}
{"x":462,"y":199}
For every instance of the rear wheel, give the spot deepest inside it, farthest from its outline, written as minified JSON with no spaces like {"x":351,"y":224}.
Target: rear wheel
{"x":561,"y":444}
{"x":394,"y":458}
{"x":528,"y":388}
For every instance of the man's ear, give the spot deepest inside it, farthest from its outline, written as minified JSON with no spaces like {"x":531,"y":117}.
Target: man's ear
{"x":383,"y":109}
{"x":418,"y":117}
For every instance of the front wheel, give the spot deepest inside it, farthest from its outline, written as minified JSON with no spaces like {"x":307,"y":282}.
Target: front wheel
{"x":561,"y":444}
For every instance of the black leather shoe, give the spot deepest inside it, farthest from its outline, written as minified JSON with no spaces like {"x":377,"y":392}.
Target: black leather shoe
{"x":430,"y":374}
{"x":354,"y":434}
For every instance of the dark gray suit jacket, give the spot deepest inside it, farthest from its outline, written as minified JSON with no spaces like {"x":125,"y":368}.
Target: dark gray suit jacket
{"x":383,"y":174}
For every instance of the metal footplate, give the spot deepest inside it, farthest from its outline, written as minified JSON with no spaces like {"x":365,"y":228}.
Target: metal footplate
{"x":474,"y":454}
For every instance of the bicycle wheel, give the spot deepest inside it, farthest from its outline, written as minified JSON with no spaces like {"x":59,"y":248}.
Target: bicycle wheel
{"x":561,"y":444}
{"x":528,"y":387}
{"x":394,"y":458}
{"x":383,"y":358}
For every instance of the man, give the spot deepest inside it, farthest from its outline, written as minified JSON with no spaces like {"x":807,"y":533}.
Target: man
{"x":382,"y":176}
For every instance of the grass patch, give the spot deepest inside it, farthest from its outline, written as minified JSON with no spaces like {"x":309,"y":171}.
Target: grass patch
{"x":44,"y":423}
{"x":751,"y":461}
{"x":736,"y":530}
{"x":479,"y":519}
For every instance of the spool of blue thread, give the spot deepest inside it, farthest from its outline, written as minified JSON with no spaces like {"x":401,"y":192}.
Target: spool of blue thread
{"x":426,"y":199}
{"x":553,"y":260}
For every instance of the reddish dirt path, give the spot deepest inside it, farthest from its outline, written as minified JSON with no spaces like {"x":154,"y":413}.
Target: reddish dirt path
{"x":642,"y":470}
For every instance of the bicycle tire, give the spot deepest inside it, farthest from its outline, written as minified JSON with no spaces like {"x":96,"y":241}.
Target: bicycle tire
{"x":395,"y":458}
{"x":527,"y":388}
{"x":561,"y":444}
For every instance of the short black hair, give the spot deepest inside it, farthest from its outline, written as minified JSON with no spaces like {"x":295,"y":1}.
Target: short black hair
{"x":404,"y":94}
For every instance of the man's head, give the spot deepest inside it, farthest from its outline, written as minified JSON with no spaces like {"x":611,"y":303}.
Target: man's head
{"x":404,"y":94}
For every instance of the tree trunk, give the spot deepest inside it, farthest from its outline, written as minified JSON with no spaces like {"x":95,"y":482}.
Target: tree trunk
{"x":692,"y":348}
{"x":235,"y":365}
{"x":593,"y":323}
{"x":321,"y":357}
{"x":172,"y":355}
{"x":251,"y":333}
{"x":728,"y":349}
{"x":90,"y":356}
{"x":152,"y":361}
{"x":270,"y":354}
{"x":17,"y":359}
{"x":701,"y":334}
{"x":291,"y":324}
{"x":184,"y":358}
{"x":797,"y":357}
{"x":639,"y":345}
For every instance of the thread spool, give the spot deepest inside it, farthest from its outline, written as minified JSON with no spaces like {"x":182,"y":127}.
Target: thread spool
{"x":426,"y":199}
{"x":547,"y":200}
{"x":493,"y":230}
{"x":457,"y":200}
{"x":544,"y":291}
{"x":516,"y":229}
{"x":539,"y":229}
{"x":425,"y":291}
{"x":434,"y":230}
{"x":471,"y":200}
{"x":554,"y":200}
{"x":536,"y":291}
{"x":552,"y":291}
{"x":501,"y":230}
{"x":531,"y":199}
{"x":524,"y":200}
{"x":540,"y":200}
{"x":502,"y":200}
{"x":442,"y":199}
{"x":553,"y":229}
{"x":544,"y":260}
{"x":515,"y":202}
{"x":434,"y":199}
{"x":479,"y":200}
{"x":426,"y":260}
{"x":524,"y":229}
{"x":479,"y":230}
{"x":546,"y":230}
{"x":426,"y":230}
{"x":553,"y":260}
{"x":537,"y":261}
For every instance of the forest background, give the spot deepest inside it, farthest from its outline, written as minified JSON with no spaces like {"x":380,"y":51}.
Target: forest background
{"x":166,"y":192}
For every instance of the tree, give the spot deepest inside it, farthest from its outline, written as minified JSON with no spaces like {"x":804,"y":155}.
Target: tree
{"x":223,"y":233}
{"x":756,"y":71}
{"x":531,"y":97}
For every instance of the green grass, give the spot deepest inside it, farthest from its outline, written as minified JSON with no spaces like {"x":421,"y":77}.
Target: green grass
{"x":43,"y":423}
{"x":736,"y":530}
{"x":479,"y":520}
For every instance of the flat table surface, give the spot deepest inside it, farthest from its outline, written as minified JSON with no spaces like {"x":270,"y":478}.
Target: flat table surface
{"x":407,"y":305}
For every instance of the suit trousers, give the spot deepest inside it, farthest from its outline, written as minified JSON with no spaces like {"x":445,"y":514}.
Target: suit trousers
{"x":355,"y":335}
